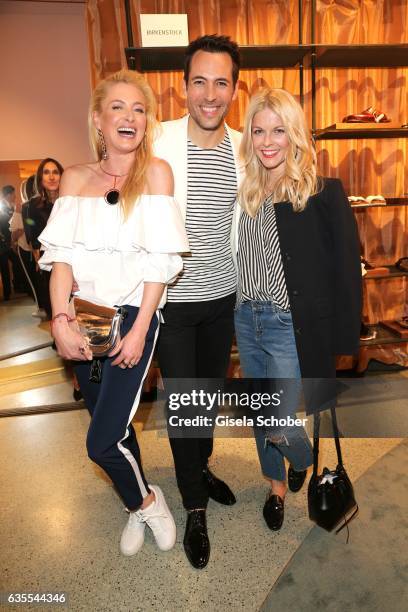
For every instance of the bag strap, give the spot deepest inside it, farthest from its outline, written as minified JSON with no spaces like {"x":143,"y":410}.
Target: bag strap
{"x":336,"y":435}
{"x":316,"y":438}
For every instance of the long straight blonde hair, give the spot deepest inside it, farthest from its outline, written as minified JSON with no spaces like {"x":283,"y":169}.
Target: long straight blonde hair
{"x":299,"y":180}
{"x":135,"y":183}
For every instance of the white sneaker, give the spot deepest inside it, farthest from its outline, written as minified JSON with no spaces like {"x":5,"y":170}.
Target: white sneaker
{"x":160,"y":520}
{"x":133,"y":534}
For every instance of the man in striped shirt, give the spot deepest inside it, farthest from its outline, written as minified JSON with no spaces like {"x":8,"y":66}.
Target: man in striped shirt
{"x":195,"y":340}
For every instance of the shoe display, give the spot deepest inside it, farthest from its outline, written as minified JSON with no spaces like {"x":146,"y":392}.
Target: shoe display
{"x":366,"y":333}
{"x":402,"y":264}
{"x":398,"y":326}
{"x":296,"y":479}
{"x":218,"y":490}
{"x":357,"y":199}
{"x":370,"y":115}
{"x":378,"y":200}
{"x":274,"y":512}
{"x":196,"y":542}
{"x":160,"y":520}
{"x":403,"y":322}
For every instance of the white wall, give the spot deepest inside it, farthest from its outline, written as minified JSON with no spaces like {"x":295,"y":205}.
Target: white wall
{"x":44,"y":81}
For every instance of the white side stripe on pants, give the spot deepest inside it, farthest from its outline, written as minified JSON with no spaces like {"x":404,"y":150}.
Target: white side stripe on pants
{"x":126,"y":453}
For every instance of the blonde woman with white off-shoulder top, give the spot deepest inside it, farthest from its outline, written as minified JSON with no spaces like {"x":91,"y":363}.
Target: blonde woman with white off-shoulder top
{"x":117,"y":230}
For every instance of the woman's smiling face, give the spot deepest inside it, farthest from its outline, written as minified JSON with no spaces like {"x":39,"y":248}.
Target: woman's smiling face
{"x":270,"y":140}
{"x":122,"y":118}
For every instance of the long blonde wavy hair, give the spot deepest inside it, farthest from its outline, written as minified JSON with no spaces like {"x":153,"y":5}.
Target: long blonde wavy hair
{"x":135,"y":183}
{"x":299,"y":180}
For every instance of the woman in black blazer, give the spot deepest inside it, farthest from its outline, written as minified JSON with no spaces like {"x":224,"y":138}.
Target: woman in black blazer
{"x":299,"y":289}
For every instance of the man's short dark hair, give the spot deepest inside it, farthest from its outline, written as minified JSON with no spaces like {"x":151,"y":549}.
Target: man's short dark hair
{"x":7,"y":190}
{"x":213,"y":44}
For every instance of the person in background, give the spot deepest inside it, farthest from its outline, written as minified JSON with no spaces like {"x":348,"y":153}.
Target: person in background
{"x":117,"y":230}
{"x":6,"y":211}
{"x":18,"y":237}
{"x":7,"y":254}
{"x":36,"y":215}
{"x":299,"y":281}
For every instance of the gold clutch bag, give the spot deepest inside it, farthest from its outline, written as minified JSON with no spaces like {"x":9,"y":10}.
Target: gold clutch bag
{"x":100,"y":325}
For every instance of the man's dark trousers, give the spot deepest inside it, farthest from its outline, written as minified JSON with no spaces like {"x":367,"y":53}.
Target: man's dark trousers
{"x":195,"y":342}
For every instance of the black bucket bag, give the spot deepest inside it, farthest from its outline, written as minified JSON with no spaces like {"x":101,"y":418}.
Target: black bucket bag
{"x":331,"y":498}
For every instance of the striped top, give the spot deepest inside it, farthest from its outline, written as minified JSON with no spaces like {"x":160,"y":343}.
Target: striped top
{"x":261,"y":275}
{"x":208,"y":270}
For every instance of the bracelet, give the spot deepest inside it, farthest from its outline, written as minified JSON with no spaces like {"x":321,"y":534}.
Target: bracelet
{"x":62,"y":314}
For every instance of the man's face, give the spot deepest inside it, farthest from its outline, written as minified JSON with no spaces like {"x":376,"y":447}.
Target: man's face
{"x":210,"y":89}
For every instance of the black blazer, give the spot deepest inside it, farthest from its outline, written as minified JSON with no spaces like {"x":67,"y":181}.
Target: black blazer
{"x":321,"y":260}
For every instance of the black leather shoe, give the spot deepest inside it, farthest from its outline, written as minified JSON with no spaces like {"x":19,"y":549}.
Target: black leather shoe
{"x":218,"y":490}
{"x":196,"y":542}
{"x":296,"y":479}
{"x":274,"y":512}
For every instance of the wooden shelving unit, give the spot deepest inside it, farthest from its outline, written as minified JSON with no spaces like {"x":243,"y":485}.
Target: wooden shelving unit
{"x":152,"y":59}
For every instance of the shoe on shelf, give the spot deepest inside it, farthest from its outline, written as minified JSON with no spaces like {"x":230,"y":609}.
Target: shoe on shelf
{"x":218,"y":490}
{"x":367,"y":333}
{"x":296,"y":479}
{"x":370,"y":115}
{"x":376,"y":199}
{"x":356,"y":199}
{"x":196,"y":542}
{"x":160,"y":520}
{"x":274,"y":512}
{"x":370,"y":335}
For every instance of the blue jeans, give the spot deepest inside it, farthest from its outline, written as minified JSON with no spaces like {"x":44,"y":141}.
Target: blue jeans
{"x":267,"y":349}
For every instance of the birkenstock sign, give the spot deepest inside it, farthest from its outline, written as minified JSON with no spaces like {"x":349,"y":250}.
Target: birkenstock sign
{"x":161,"y":30}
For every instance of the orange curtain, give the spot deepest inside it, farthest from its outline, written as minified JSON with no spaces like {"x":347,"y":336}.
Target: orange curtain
{"x":259,"y":22}
{"x":366,"y":167}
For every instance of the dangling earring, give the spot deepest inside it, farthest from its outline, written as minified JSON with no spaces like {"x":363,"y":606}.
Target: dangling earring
{"x":103,"y":145}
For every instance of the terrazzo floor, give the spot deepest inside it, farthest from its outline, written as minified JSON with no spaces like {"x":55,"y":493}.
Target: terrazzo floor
{"x":61,"y":519}
{"x":61,"y":523}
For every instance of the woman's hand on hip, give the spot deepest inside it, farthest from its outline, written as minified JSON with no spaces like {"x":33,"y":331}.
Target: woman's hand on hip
{"x":129,"y":351}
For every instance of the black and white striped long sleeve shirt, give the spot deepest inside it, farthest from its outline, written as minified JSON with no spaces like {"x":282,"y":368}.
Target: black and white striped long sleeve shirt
{"x":208,"y":270}
{"x":261,"y":275}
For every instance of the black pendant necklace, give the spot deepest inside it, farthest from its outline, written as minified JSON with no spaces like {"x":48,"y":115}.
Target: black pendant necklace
{"x":112,"y":195}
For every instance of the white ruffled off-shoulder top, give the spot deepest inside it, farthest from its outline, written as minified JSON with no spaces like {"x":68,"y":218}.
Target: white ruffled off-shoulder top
{"x":111,"y":259}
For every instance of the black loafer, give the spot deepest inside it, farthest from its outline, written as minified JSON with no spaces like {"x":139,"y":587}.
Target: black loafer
{"x":296,"y":479}
{"x":218,"y":490}
{"x":196,"y":542}
{"x":274,"y":512}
